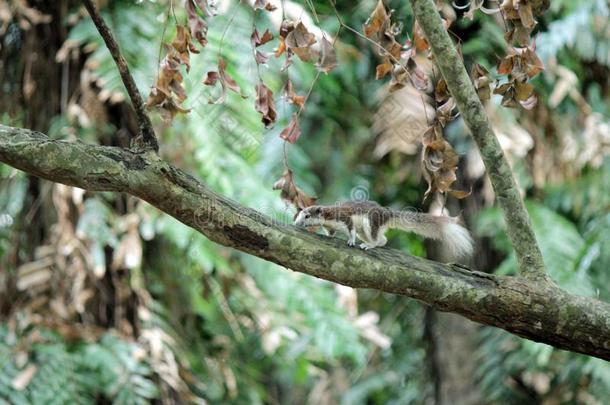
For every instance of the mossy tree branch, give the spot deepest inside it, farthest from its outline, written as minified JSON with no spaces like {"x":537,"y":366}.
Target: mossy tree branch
{"x":518,"y":224}
{"x":535,"y":310}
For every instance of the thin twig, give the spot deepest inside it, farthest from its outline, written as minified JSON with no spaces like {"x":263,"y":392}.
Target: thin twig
{"x":229,"y":23}
{"x":146,"y":130}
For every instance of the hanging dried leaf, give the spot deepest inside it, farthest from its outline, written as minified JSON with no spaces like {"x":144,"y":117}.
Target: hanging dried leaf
{"x":328,"y":58}
{"x":441,"y":92}
{"x":439,"y":161}
{"x":226,"y":82}
{"x":264,"y":5}
{"x":377,"y":22}
{"x":182,"y":46}
{"x":197,"y":25}
{"x":292,"y":132}
{"x":519,"y":10}
{"x":480,"y":77}
{"x":413,"y":73}
{"x":533,"y":64}
{"x":265,"y":105}
{"x":526,"y":15}
{"x":521,"y":63}
{"x":257,"y":40}
{"x":291,"y":194}
{"x":285,"y":28}
{"x":383,"y":69}
{"x":261,"y":58}
{"x":419,"y":38}
{"x":507,"y":90}
{"x":171,"y":109}
{"x":211,"y":78}
{"x":289,"y":93}
{"x":300,"y":41}
{"x":168,"y":86}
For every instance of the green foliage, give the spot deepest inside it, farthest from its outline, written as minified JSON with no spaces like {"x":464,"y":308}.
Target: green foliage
{"x":130,"y":23}
{"x":72,"y":374}
{"x":113,"y":368}
{"x":515,"y":371}
{"x":563,"y":247}
{"x":577,"y":31}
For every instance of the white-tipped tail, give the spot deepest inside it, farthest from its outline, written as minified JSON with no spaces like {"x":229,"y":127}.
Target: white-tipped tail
{"x":457,"y":239}
{"x":447,"y":230}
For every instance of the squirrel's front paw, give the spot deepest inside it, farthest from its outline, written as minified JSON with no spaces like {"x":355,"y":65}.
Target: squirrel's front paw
{"x":365,"y":246}
{"x":351,"y":243}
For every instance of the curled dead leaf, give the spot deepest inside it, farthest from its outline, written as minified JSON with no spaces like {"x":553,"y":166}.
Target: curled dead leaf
{"x":383,"y":69}
{"x":439,"y":161}
{"x":265,"y":105}
{"x":480,"y":77}
{"x":197,"y":25}
{"x":292,"y":132}
{"x":258,"y":40}
{"x":300,"y":41}
{"x":377,"y":21}
{"x":291,"y":194}
{"x":226,"y":82}
{"x":289,"y":93}
{"x":264,"y":5}
{"x":328,"y":57}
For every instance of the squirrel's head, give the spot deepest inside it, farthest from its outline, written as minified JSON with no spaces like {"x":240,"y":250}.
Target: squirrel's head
{"x":310,"y":216}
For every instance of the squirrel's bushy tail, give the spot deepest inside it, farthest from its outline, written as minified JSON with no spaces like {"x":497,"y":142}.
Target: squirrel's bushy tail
{"x":447,"y":230}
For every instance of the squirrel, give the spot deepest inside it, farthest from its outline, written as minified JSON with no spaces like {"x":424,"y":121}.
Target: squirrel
{"x":369,"y":221}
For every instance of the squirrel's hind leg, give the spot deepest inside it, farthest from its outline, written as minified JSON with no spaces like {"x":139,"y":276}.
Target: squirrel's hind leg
{"x":381,"y":241}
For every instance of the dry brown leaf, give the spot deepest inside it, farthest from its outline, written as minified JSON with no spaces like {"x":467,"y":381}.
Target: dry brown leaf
{"x":264,"y":5}
{"x":328,"y":57}
{"x":265,"y":105}
{"x":197,"y":25}
{"x":383,"y":69}
{"x":300,"y":41}
{"x":439,"y":161}
{"x":285,"y":28}
{"x":526,"y":15}
{"x":226,"y":82}
{"x":261,"y":58}
{"x":211,"y":78}
{"x":258,"y":40}
{"x":289,"y":93}
{"x":291,"y":194}
{"x":292,"y":132}
{"x":419,"y":38}
{"x":480,"y":77}
{"x":377,"y":22}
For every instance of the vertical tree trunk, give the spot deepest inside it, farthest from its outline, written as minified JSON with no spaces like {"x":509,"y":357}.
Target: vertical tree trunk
{"x":452,"y":342}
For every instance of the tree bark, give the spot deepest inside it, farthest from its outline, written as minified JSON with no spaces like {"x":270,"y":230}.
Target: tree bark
{"x":534,"y":310}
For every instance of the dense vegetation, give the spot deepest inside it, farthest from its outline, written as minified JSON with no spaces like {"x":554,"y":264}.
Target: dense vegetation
{"x":103,"y":298}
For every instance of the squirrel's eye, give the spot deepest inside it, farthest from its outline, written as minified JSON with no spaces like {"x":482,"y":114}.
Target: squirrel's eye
{"x":307,"y":215}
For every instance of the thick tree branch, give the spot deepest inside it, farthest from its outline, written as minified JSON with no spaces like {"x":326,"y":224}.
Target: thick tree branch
{"x":535,"y":310}
{"x":518,"y":223}
{"x":146,"y":129}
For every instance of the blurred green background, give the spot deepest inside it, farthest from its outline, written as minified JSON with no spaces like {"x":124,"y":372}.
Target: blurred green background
{"x":103,"y":299}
